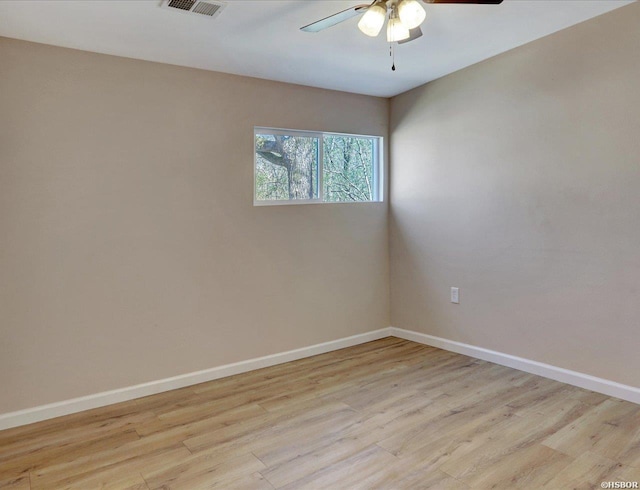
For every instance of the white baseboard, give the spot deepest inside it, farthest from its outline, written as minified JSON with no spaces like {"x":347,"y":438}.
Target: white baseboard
{"x":44,"y":412}
{"x":600,"y":385}
{"x":66,"y":407}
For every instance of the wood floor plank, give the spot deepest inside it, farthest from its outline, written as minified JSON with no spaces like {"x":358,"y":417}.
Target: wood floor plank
{"x":388,"y":414}
{"x":106,"y":480}
{"x":585,"y":471}
{"x":400,"y":476}
{"x":606,"y":429}
{"x":271,"y":429}
{"x":450,"y":419}
{"x":363,"y":428}
{"x":63,"y":430}
{"x":21,"y":482}
{"x":515,"y":442}
{"x":129,"y":458}
{"x":345,"y":473}
{"x":308,"y":463}
{"x":530,"y":467}
{"x":252,"y":482}
{"x":207,"y":420}
{"x":65,"y":453}
{"x":203,"y":471}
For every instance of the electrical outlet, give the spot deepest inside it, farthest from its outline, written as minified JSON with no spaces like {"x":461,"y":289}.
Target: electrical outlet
{"x":455,"y":295}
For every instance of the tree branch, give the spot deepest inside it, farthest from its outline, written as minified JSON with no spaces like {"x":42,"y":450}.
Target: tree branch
{"x":273,"y":158}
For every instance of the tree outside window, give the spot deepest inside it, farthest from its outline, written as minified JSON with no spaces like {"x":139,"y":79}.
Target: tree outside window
{"x":296,"y":166}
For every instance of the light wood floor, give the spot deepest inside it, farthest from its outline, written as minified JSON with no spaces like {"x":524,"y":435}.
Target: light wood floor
{"x":387,"y":414}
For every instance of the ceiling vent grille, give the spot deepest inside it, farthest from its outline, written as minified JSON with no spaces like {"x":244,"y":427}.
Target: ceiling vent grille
{"x":208,"y":8}
{"x":182,"y":4}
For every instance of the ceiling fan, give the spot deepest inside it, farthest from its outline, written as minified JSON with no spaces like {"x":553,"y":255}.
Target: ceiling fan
{"x":405,"y":18}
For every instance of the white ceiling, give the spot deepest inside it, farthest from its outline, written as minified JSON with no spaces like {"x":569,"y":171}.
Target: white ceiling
{"x":261,"y":38}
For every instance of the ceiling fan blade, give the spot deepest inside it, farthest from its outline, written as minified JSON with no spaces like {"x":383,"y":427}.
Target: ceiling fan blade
{"x":488,"y":2}
{"x":334,"y":19}
{"x":414,"y":33}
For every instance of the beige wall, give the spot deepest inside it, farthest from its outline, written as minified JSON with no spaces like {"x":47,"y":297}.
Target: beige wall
{"x":518,"y":180}
{"x":130,"y":250}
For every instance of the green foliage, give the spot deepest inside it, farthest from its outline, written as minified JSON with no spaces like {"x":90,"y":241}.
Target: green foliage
{"x":271,"y":182}
{"x":348,"y":169}
{"x":286,"y":167}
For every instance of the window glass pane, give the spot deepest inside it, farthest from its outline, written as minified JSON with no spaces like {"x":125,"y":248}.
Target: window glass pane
{"x":286,"y":167}
{"x":348,"y":168}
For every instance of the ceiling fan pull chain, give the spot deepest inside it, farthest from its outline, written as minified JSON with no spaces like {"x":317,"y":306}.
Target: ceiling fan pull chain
{"x":392,"y":53}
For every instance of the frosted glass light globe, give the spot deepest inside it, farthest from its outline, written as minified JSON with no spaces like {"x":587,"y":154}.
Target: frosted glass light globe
{"x":396,"y":30}
{"x":411,"y":13}
{"x":373,"y":19}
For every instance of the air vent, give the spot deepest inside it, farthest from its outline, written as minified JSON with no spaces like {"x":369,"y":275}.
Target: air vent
{"x":206,"y":8}
{"x":182,"y":4}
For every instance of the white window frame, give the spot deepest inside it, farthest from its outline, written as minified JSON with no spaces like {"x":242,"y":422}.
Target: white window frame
{"x":378,"y":168}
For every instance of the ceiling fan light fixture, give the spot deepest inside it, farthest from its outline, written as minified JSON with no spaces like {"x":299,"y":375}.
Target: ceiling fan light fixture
{"x":411,"y":13}
{"x":396,"y":30}
{"x":373,"y":19}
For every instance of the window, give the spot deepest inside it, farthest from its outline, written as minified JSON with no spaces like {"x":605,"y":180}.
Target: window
{"x":295,"y":167}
